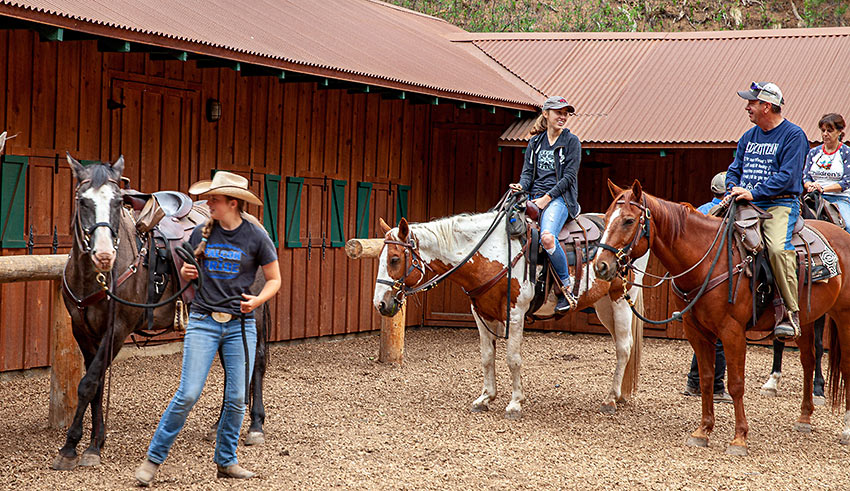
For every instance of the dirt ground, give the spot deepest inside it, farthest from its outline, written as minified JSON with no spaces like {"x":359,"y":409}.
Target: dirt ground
{"x":339,"y":419}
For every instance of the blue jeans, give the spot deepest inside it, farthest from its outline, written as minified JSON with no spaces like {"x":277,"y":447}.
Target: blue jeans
{"x":204,"y":337}
{"x":552,"y":220}
{"x":843,"y":205}
{"x":719,"y":369}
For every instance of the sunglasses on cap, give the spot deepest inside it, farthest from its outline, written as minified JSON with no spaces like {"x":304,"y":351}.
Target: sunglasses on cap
{"x":757,"y":87}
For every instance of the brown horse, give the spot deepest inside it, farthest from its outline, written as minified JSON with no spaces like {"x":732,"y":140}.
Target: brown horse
{"x":677,"y":235}
{"x":105,"y":242}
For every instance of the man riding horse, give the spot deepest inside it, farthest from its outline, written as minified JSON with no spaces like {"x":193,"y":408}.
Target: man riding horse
{"x":768,"y":171}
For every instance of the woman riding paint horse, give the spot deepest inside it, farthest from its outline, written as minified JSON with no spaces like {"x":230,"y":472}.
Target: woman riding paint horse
{"x":414,"y":253}
{"x":677,"y":235}
{"x":550,"y":176}
{"x":230,"y":250}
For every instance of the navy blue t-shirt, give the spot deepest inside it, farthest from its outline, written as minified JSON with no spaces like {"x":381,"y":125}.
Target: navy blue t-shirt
{"x":230,"y":264}
{"x":546,"y":177}
{"x":770,"y":163}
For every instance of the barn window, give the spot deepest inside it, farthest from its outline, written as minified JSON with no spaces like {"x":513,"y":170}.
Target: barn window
{"x":13,"y":176}
{"x":271,"y":192}
{"x":338,"y":213}
{"x":292,"y":220}
{"x":364,"y":195}
{"x":401,"y":202}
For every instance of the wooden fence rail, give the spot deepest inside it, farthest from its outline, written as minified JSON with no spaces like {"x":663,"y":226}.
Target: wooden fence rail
{"x":392,"y":328}
{"x":66,"y":361}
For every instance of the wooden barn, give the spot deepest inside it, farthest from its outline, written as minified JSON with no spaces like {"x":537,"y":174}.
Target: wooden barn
{"x":341,"y":112}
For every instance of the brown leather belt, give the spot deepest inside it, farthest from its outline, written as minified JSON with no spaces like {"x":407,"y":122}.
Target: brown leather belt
{"x":781,"y":196}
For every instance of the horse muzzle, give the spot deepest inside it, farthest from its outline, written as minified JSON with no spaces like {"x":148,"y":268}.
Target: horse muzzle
{"x":389,"y":307}
{"x":604,"y":269}
{"x":103,"y":260}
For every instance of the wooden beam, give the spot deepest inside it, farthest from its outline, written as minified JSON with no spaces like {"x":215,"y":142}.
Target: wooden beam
{"x":47,"y":34}
{"x":66,"y":364}
{"x":363,"y":248}
{"x":31,"y":268}
{"x":113,"y":46}
{"x":424,"y":99}
{"x":261,"y":71}
{"x":352,"y":87}
{"x":295,"y":77}
{"x":210,"y":62}
{"x":395,"y":94}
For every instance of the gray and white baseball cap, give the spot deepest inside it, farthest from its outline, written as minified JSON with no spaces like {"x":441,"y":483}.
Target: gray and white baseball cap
{"x":557,"y":102}
{"x":763,"y":91}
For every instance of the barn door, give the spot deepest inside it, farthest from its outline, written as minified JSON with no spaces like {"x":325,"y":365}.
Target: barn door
{"x":155,"y":127}
{"x":466,"y":178}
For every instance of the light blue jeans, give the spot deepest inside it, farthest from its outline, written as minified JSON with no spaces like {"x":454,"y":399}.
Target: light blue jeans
{"x":552,"y":220}
{"x":204,"y":336}
{"x":843,"y":205}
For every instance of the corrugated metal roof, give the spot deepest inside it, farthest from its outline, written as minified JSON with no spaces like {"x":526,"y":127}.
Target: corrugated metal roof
{"x":676,"y":88}
{"x":366,"y":38}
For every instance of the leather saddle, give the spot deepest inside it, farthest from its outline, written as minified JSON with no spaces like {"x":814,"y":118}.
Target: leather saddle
{"x":815,"y":257}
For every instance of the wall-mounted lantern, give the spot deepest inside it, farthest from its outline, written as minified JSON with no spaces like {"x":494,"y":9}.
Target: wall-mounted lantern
{"x":213,"y":110}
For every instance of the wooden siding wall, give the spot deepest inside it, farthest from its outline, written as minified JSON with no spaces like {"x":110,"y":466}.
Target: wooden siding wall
{"x":56,"y":97}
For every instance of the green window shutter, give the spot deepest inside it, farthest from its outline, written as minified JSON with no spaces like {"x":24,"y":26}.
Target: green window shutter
{"x":13,"y":185}
{"x":292,"y":220}
{"x":401,"y":202}
{"x":364,"y":195}
{"x":271,"y":193}
{"x":338,"y":213}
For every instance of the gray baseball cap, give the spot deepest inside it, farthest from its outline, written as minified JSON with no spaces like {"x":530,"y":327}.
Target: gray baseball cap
{"x":763,"y":91}
{"x":718,"y":183}
{"x":557,"y":102}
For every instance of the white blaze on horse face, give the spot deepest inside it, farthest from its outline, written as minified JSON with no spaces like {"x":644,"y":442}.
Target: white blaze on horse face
{"x":613,"y":219}
{"x":102,"y":246}
{"x":382,"y":291}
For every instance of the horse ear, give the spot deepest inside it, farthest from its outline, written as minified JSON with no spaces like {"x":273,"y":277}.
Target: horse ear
{"x":386,"y":228}
{"x":636,"y":190}
{"x":403,"y":230}
{"x":76,"y":167}
{"x":615,"y":190}
{"x":118,"y":166}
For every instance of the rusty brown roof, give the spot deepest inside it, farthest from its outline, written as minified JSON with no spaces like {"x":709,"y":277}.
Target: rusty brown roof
{"x":358,"y":40}
{"x":675,"y":88}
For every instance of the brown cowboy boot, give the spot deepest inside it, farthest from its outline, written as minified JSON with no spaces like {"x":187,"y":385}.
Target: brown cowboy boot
{"x":146,"y":472}
{"x":789,"y":328}
{"x":234,"y":471}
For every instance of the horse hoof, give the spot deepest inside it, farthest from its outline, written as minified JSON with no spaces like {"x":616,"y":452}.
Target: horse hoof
{"x":845,"y":438}
{"x":768,"y":392}
{"x":803,"y":427}
{"x":819,"y":400}
{"x":738,"y":450}
{"x":255,"y":438}
{"x":61,"y":463}
{"x":513,"y":415}
{"x":209,"y":436}
{"x":608,"y":408}
{"x":89,"y":459}
{"x":694,"y":441}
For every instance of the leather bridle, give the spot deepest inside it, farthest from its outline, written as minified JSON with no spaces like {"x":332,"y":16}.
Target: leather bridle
{"x":413,"y":262}
{"x":623,"y":255}
{"x":82,"y":235}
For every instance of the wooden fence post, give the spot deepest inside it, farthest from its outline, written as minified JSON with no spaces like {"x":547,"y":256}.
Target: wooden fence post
{"x":392,"y":328}
{"x":66,"y":363}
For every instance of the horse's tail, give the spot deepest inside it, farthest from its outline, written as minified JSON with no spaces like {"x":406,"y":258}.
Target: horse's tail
{"x":631,"y":376}
{"x":837,"y":384}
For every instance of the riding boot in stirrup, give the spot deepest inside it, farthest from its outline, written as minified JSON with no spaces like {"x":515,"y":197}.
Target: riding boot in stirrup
{"x":789,"y":328}
{"x":566,"y":301}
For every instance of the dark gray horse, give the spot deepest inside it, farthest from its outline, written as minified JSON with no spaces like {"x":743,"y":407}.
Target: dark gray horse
{"x":105,"y":251}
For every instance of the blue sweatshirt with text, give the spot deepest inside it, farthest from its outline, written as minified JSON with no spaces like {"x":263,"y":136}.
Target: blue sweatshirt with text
{"x":770,"y":163}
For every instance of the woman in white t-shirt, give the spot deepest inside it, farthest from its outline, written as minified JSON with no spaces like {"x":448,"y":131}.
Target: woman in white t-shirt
{"x":827,"y":166}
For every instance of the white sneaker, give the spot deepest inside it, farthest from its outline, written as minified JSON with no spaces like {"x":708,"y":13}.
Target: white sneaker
{"x":771,"y":387}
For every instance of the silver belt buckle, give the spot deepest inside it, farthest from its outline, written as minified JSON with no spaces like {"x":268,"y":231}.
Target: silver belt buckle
{"x":222,"y":317}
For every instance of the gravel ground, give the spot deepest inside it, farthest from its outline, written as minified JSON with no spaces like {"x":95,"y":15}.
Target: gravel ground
{"x":338,"y":418}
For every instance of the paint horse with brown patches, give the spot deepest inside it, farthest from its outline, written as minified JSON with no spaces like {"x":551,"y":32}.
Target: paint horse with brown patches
{"x":678,"y":236}
{"x":440,"y":245}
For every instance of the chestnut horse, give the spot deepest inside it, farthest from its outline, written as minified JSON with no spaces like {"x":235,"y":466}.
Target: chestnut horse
{"x":677,"y":235}
{"x":443,"y":243}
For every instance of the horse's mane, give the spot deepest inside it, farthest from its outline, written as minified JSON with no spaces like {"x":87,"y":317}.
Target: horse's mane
{"x":667,"y":214}
{"x":443,"y":232}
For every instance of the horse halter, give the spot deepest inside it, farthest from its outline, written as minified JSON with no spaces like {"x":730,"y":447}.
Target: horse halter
{"x":411,"y":255}
{"x":83,"y":235}
{"x":622,"y":255}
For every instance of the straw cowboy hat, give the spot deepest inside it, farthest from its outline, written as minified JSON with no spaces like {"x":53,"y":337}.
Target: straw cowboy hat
{"x":228,"y":184}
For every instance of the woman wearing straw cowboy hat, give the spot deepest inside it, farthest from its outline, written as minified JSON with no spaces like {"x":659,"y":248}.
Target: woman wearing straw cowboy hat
{"x":229,"y":249}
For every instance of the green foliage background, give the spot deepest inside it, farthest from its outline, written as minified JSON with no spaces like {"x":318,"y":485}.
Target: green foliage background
{"x":633,"y":15}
